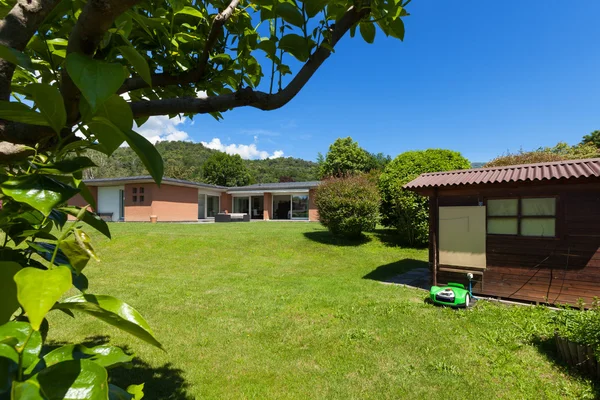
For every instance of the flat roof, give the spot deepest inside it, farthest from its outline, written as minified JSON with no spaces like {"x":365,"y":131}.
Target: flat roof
{"x":568,"y":169}
{"x":149,"y":179}
{"x":259,"y":187}
{"x":289,"y":186}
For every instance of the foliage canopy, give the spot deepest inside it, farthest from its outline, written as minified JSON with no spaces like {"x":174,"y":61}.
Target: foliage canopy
{"x":562,"y":151}
{"x":225,"y":170}
{"x":346,"y":157}
{"x":348,"y":205}
{"x":407,"y":211}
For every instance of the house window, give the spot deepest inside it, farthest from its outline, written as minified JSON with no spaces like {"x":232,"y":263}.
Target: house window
{"x":134,"y":190}
{"x":522,"y":217}
{"x":134,"y":199}
{"x":141,"y":199}
{"x":141,"y":190}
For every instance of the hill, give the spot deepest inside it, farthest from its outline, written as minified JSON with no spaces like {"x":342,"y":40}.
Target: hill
{"x":183,"y":160}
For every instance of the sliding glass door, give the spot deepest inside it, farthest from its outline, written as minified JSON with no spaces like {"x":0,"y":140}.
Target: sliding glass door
{"x":281,"y":207}
{"x":241,"y":205}
{"x":212,"y":206}
{"x":300,"y":206}
{"x":290,"y":206}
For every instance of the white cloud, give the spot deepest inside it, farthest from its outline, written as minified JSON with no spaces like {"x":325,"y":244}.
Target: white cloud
{"x":162,"y":128}
{"x":246,"y":151}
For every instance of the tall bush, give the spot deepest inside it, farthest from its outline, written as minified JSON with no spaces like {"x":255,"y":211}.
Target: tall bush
{"x":348,"y":205}
{"x":403,"y":209}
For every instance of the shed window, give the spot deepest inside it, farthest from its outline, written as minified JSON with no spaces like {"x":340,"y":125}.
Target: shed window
{"x":523,"y":217}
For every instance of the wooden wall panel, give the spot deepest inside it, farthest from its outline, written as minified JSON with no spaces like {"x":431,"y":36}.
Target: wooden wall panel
{"x":552,"y":270}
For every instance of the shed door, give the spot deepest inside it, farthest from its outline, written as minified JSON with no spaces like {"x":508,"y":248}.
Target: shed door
{"x":462,"y":236}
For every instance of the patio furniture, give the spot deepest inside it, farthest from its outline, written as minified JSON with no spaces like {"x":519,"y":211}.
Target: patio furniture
{"x":232,"y":217}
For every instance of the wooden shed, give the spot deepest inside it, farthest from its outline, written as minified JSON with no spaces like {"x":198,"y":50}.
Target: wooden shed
{"x":527,"y":232}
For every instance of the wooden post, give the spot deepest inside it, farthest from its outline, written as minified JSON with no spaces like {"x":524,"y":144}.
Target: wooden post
{"x":433,"y":234}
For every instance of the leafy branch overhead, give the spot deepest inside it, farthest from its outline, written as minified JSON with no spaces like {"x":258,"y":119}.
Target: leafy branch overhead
{"x":171,"y":58}
{"x":77,"y":78}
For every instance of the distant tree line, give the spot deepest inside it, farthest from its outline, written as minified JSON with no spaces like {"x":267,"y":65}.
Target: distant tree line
{"x":186,"y":160}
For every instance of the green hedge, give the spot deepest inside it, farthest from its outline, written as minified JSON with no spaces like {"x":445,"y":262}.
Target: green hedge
{"x":348,"y":206}
{"x":403,"y":209}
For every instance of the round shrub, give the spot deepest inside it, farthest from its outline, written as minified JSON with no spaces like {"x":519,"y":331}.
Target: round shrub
{"x":404,"y":210}
{"x":348,"y":205}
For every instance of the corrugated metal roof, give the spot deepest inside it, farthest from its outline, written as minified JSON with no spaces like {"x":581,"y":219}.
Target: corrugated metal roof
{"x":277,"y":186}
{"x":515,"y":173}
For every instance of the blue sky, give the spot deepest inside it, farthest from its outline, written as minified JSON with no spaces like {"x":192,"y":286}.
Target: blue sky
{"x":480,"y":77}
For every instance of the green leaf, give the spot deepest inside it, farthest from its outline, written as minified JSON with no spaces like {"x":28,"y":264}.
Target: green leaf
{"x":30,"y":349}
{"x":290,"y":14}
{"x":313,"y":7}
{"x":38,"y":290}
{"x":367,"y":31}
{"x":295,"y":45}
{"x":8,"y":351}
{"x":8,"y":290}
{"x":397,"y":28}
{"x":112,"y":311}
{"x":117,"y":393}
{"x":108,"y":134}
{"x":15,"y":57}
{"x":137,"y":391}
{"x":147,"y":153}
{"x":87,"y":194}
{"x":39,"y":191}
{"x":18,"y":112}
{"x":89,"y":218}
{"x":191,"y":11}
{"x":69,"y":380}
{"x":97,"y":80}
{"x":78,"y":257}
{"x":116,"y":110}
{"x":104,"y":355}
{"x":268,"y":46}
{"x":68,"y":166}
{"x":138,"y":62}
{"x":50,"y":102}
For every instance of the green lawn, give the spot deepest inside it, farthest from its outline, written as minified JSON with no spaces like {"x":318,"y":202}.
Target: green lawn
{"x":282,"y":311}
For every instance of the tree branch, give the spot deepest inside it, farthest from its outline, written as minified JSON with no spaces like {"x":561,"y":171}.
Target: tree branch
{"x":95,"y":19}
{"x":192,"y":75}
{"x":16,"y":29}
{"x":248,"y":96}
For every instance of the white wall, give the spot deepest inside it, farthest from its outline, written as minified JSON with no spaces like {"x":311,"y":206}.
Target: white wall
{"x":109,"y":201}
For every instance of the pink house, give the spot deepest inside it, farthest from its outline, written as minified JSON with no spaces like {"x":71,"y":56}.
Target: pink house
{"x":137,"y":198}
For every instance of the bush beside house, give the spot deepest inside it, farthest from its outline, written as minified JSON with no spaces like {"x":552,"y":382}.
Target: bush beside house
{"x":405,"y":210}
{"x":348,"y":205}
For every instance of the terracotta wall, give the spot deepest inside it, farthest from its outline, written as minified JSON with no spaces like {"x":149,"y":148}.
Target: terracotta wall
{"x":313,"y":213}
{"x":139,"y":210}
{"x":226,"y":202}
{"x":268,"y":206}
{"x":175,"y":203}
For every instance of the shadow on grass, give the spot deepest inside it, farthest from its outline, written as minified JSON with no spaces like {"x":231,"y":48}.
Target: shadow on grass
{"x":384,"y":273}
{"x":327,"y":237}
{"x":390,"y":238}
{"x":163,"y":382}
{"x":547,"y":347}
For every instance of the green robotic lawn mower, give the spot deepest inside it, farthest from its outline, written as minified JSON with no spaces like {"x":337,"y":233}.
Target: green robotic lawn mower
{"x":453,"y":294}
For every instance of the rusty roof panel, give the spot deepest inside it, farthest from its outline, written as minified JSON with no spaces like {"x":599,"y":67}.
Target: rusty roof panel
{"x":515,"y":173}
